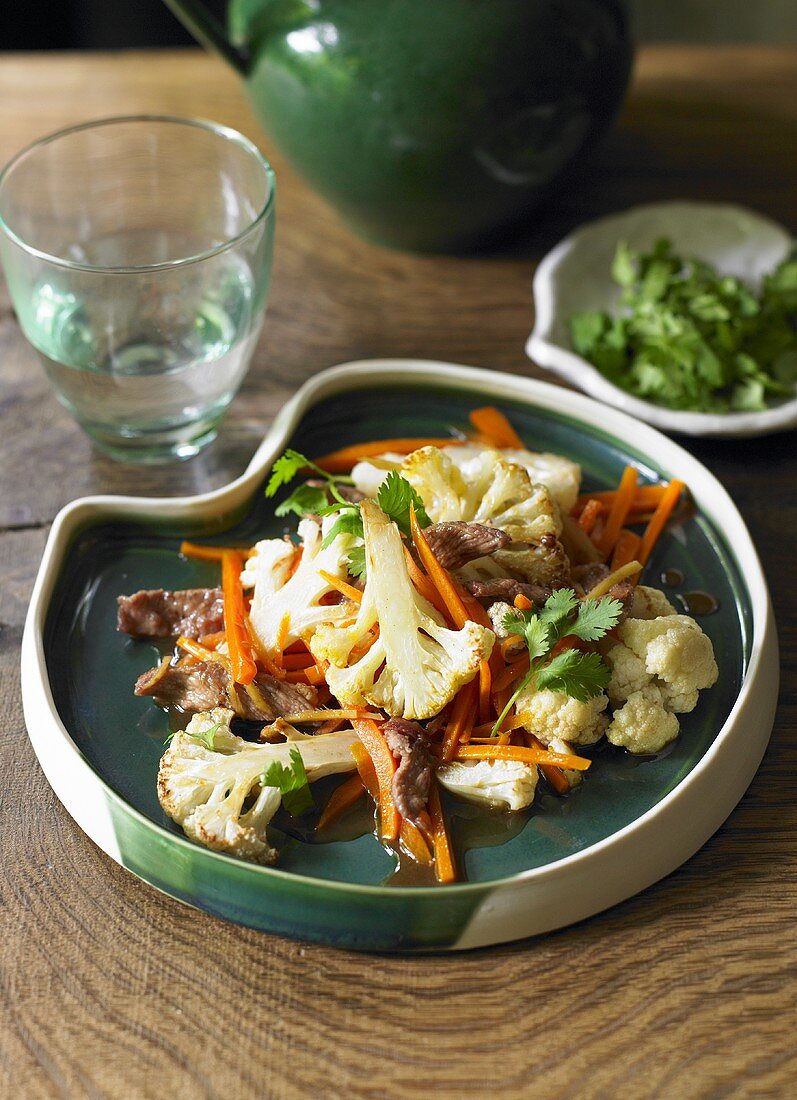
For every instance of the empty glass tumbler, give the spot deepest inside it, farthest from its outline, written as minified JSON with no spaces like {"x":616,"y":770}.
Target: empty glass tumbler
{"x":138,"y":256}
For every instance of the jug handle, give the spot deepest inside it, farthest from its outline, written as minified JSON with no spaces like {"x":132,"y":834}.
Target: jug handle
{"x":209,"y":32}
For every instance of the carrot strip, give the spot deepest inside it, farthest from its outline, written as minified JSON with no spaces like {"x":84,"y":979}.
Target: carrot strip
{"x":297,"y":561}
{"x":506,"y":644}
{"x":198,"y":651}
{"x":485,"y":690}
{"x":492,"y":423}
{"x":444,"y":865}
{"x":423,"y":584}
{"x":414,"y":843}
{"x":619,"y":510}
{"x":589,"y":516}
{"x":341,"y":461}
{"x":297,"y":661}
{"x":555,"y":776}
{"x":439,"y":576}
{"x":522,"y":603}
{"x":340,"y":800}
{"x":646,"y":496}
{"x":242,"y":662}
{"x":511,"y":673}
{"x":654,"y":529}
{"x":528,"y":756}
{"x":626,"y":548}
{"x":460,"y":721}
{"x":310,"y":675}
{"x":385,"y":766}
{"x":209,"y":553}
{"x":484,"y":731}
{"x":213,"y":641}
{"x":280,"y":642}
{"x":341,"y":586}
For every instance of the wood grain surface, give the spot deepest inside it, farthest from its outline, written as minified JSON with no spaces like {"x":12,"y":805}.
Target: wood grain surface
{"x":108,"y":989}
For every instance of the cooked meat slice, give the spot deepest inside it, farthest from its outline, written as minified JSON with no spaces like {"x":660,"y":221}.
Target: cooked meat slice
{"x":412,"y":780}
{"x":206,"y":684}
{"x":505,"y":589}
{"x":156,"y":613}
{"x":456,"y":543}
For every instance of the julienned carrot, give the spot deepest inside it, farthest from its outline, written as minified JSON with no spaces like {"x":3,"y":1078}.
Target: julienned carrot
{"x":341,"y":586}
{"x":492,"y":424}
{"x":281,"y":640}
{"x":385,"y":766}
{"x":512,"y":673}
{"x":440,"y":578}
{"x":460,"y":721}
{"x":197,"y":650}
{"x":528,"y":756}
{"x":646,"y":496}
{"x":297,"y":661}
{"x":554,"y":775}
{"x":260,"y":654}
{"x":310,"y":675}
{"x":522,"y":603}
{"x":626,"y":548}
{"x":444,"y":865}
{"x":340,"y":800}
{"x":484,"y":731}
{"x":341,"y":462}
{"x":423,"y":584}
{"x":485,"y":690}
{"x":618,"y":511}
{"x":213,"y":641}
{"x":208,"y":553}
{"x":660,"y":516}
{"x":242,"y":662}
{"x":410,"y":837}
{"x":589,"y":516}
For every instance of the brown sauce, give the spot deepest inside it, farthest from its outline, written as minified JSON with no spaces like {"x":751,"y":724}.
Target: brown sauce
{"x":672,"y":578}
{"x":698,"y":602}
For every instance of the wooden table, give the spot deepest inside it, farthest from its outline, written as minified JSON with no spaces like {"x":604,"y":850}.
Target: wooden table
{"x":108,"y":989}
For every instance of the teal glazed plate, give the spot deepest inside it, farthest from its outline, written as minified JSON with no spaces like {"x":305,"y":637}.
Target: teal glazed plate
{"x":632,"y":822}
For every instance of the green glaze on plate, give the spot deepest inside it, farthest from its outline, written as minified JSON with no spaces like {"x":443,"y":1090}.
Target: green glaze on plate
{"x":334,"y":892}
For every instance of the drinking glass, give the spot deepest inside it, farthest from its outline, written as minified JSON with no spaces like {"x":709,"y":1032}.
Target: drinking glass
{"x":138,"y":255}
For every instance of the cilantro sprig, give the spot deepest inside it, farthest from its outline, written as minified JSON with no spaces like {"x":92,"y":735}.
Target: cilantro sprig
{"x":690,"y":338}
{"x":581,"y":675}
{"x":396,"y":497}
{"x":292,"y":783}
{"x":206,"y":737}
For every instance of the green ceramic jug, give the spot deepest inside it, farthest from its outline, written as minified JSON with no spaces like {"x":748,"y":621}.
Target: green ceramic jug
{"x":431,"y":125}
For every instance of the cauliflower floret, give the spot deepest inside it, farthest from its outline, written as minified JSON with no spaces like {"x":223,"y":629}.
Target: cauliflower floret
{"x":552,"y":714}
{"x":415,"y":664}
{"x":561,"y":476}
{"x":298,"y":597}
{"x":367,"y":477}
{"x":643,"y":724}
{"x":676,"y":656}
{"x":215,"y":794}
{"x":556,"y":744}
{"x":649,"y":603}
{"x":509,"y":784}
{"x":489,"y":490}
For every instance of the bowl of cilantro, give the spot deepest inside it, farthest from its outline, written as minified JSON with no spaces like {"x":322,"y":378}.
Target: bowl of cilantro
{"x":683,"y":314}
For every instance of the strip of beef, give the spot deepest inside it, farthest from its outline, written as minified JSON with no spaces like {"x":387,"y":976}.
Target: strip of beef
{"x":413,"y":778}
{"x":504,"y":590}
{"x":156,"y":613}
{"x":206,"y":685}
{"x":456,"y":543}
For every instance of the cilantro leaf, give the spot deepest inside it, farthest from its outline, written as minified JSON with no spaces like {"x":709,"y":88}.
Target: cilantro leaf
{"x":204,"y":737}
{"x":292,"y":783}
{"x":532,"y":629}
{"x":595,"y":618}
{"x":580,"y":675}
{"x":304,"y":500}
{"x":355,"y":562}
{"x":395,"y":497}
{"x":349,"y":522}
{"x":285,"y":469}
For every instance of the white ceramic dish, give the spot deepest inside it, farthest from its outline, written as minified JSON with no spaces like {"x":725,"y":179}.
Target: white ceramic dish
{"x":473,"y":914}
{"x":575,"y":276}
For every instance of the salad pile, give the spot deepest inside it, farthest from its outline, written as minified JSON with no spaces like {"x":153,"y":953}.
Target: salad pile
{"x":448,"y":615}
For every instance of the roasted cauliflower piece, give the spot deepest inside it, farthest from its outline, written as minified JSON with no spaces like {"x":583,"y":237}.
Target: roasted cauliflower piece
{"x":277,"y":595}
{"x":215,"y":793}
{"x":560,"y":476}
{"x":415,"y":664}
{"x":671,"y":652}
{"x":649,"y":603}
{"x":642,"y":724}
{"x":509,"y":784}
{"x":487,"y":489}
{"x":552,"y":714}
